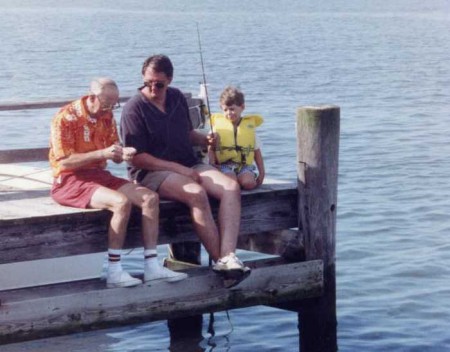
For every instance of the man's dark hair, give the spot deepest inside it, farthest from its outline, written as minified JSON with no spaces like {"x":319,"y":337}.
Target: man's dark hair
{"x":159,"y":63}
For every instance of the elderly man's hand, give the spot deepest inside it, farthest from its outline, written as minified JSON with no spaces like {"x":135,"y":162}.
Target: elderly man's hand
{"x":113,"y":152}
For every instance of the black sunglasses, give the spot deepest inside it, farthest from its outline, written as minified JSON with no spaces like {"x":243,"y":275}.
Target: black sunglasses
{"x":155,"y":84}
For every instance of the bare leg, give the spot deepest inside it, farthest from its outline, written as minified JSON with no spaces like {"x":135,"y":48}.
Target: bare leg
{"x":148,"y":201}
{"x":227,"y":190}
{"x":185,"y":190}
{"x":120,"y":206}
{"x":231,"y":175}
{"x":247,"y":180}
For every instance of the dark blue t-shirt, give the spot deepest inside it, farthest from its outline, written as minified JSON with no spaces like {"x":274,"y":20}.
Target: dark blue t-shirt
{"x":164,"y":135}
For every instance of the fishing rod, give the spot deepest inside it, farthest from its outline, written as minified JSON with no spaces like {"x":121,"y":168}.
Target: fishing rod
{"x":204,"y":77}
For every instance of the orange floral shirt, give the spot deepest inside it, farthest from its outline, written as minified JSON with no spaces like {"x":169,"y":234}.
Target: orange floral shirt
{"x":74,"y":131}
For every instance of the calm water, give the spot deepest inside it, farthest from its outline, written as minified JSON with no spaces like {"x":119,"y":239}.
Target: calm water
{"x":385,"y":63}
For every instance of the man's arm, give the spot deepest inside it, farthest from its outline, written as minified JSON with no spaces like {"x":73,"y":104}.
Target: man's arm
{"x":198,"y":138}
{"x":63,"y":137}
{"x":78,"y":160}
{"x":73,"y":160}
{"x":201,"y":139}
{"x":147,"y":161}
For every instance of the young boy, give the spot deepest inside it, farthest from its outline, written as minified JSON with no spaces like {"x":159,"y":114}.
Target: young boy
{"x":239,"y":145}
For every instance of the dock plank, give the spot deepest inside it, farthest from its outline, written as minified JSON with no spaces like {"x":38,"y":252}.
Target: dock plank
{"x":34,"y":227}
{"x":89,"y":306}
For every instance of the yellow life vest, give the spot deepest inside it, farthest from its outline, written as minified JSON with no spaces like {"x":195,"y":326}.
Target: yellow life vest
{"x":237,"y":146}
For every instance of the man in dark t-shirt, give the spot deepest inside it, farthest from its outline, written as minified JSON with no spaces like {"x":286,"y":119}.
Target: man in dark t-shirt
{"x":164,"y":134}
{"x":156,"y":123}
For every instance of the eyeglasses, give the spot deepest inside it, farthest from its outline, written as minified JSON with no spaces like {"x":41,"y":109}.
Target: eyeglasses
{"x":156,"y":84}
{"x":105,"y":106}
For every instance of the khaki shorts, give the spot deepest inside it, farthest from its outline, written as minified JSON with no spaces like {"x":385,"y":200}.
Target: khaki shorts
{"x":154,"y":179}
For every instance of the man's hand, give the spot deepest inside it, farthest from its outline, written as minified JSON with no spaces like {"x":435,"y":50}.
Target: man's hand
{"x":187,"y":171}
{"x":212,"y":140}
{"x":128,"y":153}
{"x":114,"y":153}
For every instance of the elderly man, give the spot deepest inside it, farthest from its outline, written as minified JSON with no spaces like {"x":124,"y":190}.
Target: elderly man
{"x":83,"y":138}
{"x":156,"y":123}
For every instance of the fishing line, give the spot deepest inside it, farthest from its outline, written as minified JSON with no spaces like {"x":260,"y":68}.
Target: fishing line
{"x":211,"y":341}
{"x":25,"y":176}
{"x":204,"y":76}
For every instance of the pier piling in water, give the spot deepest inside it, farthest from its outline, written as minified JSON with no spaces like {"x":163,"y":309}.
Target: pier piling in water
{"x":317,"y":154}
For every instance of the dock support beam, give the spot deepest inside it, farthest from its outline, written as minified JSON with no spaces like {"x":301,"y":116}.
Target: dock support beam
{"x":317,"y":152}
{"x":187,"y":329}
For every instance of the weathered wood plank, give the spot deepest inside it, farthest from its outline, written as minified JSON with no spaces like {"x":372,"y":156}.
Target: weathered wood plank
{"x":23,"y":155}
{"x":35,"y":105}
{"x":69,"y":311}
{"x":84,"y":231}
{"x":14,"y":106}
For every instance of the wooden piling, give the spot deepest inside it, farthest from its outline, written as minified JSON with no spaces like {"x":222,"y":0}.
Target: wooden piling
{"x":189,"y":327}
{"x":318,"y":150}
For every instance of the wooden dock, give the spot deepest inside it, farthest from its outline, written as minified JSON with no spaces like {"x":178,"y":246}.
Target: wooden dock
{"x":294,"y":222}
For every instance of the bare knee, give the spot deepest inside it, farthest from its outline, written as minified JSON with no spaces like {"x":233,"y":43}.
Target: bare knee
{"x":248,"y":184}
{"x":232,"y":186}
{"x":121,"y":205}
{"x":247,"y":181}
{"x":150,"y":203}
{"x":197,"y":197}
{"x":150,"y":200}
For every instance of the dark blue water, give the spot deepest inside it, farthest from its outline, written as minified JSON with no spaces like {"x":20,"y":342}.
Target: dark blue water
{"x":385,"y":63}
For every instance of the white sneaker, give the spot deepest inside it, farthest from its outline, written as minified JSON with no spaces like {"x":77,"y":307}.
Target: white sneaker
{"x":162,"y":274}
{"x":229,"y":263}
{"x":121,"y":279}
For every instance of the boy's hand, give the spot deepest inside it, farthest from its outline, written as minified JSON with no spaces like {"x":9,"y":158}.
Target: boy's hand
{"x":260,"y":179}
{"x":212,"y":139}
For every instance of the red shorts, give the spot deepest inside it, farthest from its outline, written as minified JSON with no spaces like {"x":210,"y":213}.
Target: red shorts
{"x":75,"y":189}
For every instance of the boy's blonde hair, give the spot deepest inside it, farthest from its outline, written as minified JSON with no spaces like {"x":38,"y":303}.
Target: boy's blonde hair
{"x":231,"y":95}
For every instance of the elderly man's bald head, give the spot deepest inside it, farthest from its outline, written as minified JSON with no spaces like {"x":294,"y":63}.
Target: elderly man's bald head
{"x":104,"y":86}
{"x":104,"y":95}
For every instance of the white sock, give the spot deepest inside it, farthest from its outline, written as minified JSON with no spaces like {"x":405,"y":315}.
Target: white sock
{"x":114,"y":264}
{"x":151,"y":259}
